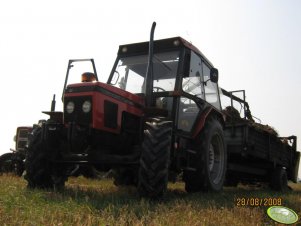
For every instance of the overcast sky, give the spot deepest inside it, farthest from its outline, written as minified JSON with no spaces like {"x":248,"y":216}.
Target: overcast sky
{"x":256,"y":46}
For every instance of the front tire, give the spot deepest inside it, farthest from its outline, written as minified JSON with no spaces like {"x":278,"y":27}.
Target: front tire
{"x":154,"y":161}
{"x":211,"y":161}
{"x":39,"y":168}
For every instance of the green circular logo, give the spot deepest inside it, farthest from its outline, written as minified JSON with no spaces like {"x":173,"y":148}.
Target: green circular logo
{"x":282,"y":214}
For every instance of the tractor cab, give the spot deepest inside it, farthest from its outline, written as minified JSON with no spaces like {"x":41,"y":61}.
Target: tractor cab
{"x":183,"y":81}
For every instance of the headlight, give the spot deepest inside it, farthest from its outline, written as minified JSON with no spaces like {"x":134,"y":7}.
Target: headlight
{"x":86,"y":106}
{"x":70,"y":107}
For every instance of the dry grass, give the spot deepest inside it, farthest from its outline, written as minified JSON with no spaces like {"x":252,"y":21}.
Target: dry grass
{"x":91,"y":202}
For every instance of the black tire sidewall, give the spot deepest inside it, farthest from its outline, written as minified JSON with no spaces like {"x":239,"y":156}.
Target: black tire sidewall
{"x":154,"y":162}
{"x":39,"y":168}
{"x":212,"y":128}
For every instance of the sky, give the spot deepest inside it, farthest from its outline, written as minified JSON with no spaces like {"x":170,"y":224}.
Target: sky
{"x":254,"y":44}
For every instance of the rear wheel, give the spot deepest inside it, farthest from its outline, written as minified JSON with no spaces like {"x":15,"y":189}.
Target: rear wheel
{"x":39,"y":168}
{"x":279,"y":179}
{"x":211,"y":160}
{"x":154,"y":161}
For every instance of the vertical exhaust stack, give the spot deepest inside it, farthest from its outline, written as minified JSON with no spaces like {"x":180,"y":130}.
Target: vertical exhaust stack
{"x":149,"y":71}
{"x":53,"y":104}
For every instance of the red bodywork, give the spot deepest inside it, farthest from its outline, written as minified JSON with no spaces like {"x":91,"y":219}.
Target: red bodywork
{"x":127,"y":102}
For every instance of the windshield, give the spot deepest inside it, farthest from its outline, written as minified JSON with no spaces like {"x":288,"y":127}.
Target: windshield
{"x":130,"y":72}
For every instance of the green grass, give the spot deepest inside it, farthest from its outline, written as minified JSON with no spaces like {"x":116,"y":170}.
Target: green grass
{"x":94,"y":202}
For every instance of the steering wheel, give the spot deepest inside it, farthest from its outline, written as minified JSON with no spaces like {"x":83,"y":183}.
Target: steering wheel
{"x":158,"y":88}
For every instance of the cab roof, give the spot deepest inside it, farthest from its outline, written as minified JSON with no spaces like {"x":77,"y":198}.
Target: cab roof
{"x":168,"y":44}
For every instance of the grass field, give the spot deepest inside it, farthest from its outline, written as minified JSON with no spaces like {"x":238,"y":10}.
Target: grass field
{"x":95,"y":202}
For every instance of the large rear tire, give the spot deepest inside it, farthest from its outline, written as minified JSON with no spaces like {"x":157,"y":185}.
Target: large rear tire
{"x":211,"y":161}
{"x":40,"y":171}
{"x":155,"y":157}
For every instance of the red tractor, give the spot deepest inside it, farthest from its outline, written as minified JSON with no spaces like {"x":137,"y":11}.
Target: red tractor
{"x":158,"y":116}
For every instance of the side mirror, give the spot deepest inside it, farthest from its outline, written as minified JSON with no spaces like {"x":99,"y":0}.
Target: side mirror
{"x":214,"y":75}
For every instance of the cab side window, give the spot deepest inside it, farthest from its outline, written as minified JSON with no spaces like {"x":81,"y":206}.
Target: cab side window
{"x":193,"y":82}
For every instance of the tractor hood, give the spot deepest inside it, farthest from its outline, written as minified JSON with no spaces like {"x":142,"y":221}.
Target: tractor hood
{"x":108,"y":90}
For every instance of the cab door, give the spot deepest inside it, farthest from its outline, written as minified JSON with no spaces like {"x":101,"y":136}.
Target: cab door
{"x":193,"y":84}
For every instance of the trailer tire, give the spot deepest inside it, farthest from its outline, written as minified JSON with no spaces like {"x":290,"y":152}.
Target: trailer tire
{"x":155,"y":158}
{"x":211,"y":161}
{"x":39,"y":168}
{"x":279,"y":179}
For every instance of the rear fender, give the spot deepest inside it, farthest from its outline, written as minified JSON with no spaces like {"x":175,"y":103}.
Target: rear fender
{"x":208,"y":112}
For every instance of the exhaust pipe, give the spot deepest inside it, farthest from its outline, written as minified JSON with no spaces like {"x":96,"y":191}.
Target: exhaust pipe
{"x":53,"y":104}
{"x":149,"y":71}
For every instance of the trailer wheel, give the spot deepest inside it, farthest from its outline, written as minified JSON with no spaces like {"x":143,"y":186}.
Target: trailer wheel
{"x":279,"y":179}
{"x":211,"y":160}
{"x":39,"y":169}
{"x":154,"y":160}
{"x":11,"y":163}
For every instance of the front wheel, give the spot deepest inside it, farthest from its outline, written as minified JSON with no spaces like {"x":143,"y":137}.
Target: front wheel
{"x":154,"y":161}
{"x":40,"y":171}
{"x":211,"y":161}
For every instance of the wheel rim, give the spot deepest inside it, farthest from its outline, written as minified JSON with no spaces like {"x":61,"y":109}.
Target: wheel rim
{"x":216,"y":159}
